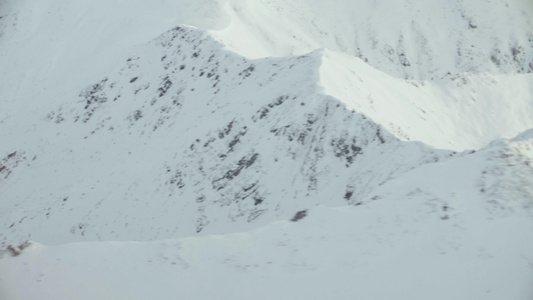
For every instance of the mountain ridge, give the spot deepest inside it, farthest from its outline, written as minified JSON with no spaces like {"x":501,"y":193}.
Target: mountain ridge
{"x":254,"y":149}
{"x":138,"y":115}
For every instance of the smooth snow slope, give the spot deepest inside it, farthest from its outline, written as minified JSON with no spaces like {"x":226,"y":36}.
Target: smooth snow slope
{"x":465,"y":111}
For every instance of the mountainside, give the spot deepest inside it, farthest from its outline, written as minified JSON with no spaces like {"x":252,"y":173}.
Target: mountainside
{"x":276,"y":141}
{"x":194,"y":137}
{"x":407,"y":39}
{"x":444,"y":230}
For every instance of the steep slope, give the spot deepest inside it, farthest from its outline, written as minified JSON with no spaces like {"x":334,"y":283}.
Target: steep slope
{"x":95,"y":37}
{"x":192,"y":138}
{"x":189,"y":137}
{"x":420,"y":239}
{"x":466,"y":111}
{"x":119,"y":123}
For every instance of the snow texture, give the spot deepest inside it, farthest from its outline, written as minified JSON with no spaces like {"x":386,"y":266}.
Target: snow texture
{"x":249,"y":149}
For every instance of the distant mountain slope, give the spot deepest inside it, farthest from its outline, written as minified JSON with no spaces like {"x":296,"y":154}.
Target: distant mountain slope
{"x":407,"y":39}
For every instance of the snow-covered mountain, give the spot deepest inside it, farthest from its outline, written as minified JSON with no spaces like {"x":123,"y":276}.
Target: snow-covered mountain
{"x":395,"y":135}
{"x":407,"y":39}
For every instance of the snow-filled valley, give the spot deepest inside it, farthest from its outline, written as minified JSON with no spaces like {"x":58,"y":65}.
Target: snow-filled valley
{"x":250,"y":149}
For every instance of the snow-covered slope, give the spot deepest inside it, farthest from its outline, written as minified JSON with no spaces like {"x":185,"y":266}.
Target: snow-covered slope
{"x":280,"y":142}
{"x":443,"y":231}
{"x":194,"y":127}
{"x":405,"y":38}
{"x":191,"y":136}
{"x":465,"y":111}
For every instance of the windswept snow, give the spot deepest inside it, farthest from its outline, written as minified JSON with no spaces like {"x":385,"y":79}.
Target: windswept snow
{"x":161,"y":149}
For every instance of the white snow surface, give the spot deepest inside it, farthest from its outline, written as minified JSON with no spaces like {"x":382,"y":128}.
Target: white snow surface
{"x":443,"y":231}
{"x":266,"y":149}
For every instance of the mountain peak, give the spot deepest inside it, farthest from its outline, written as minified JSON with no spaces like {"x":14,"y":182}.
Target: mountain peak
{"x":278,"y":143}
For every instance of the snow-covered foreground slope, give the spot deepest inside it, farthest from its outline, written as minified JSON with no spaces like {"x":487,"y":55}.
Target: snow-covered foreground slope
{"x":454,"y":230}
